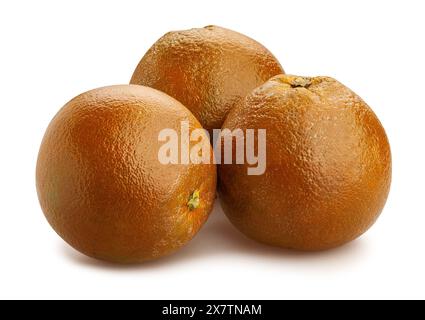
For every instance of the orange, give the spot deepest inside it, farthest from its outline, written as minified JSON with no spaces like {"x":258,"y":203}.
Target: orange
{"x":101,"y":185}
{"x":328,"y":168}
{"x":207,"y":69}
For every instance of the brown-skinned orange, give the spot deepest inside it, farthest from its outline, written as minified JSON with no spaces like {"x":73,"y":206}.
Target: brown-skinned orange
{"x":328,"y":168}
{"x":207,"y":69}
{"x":101,"y":185}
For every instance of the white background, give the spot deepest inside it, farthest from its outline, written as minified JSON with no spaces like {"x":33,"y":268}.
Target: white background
{"x":51,"y":51}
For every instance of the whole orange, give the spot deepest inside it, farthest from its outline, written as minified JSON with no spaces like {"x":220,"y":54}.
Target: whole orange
{"x":100,"y":182}
{"x":328,"y":168}
{"x":207,"y":69}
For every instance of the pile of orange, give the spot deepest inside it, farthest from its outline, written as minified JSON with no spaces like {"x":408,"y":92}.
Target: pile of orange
{"x":105,"y":191}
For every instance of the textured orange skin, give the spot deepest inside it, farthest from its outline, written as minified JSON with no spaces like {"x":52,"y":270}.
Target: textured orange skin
{"x":328,"y":165}
{"x":207,"y":69}
{"x":100,"y":183}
